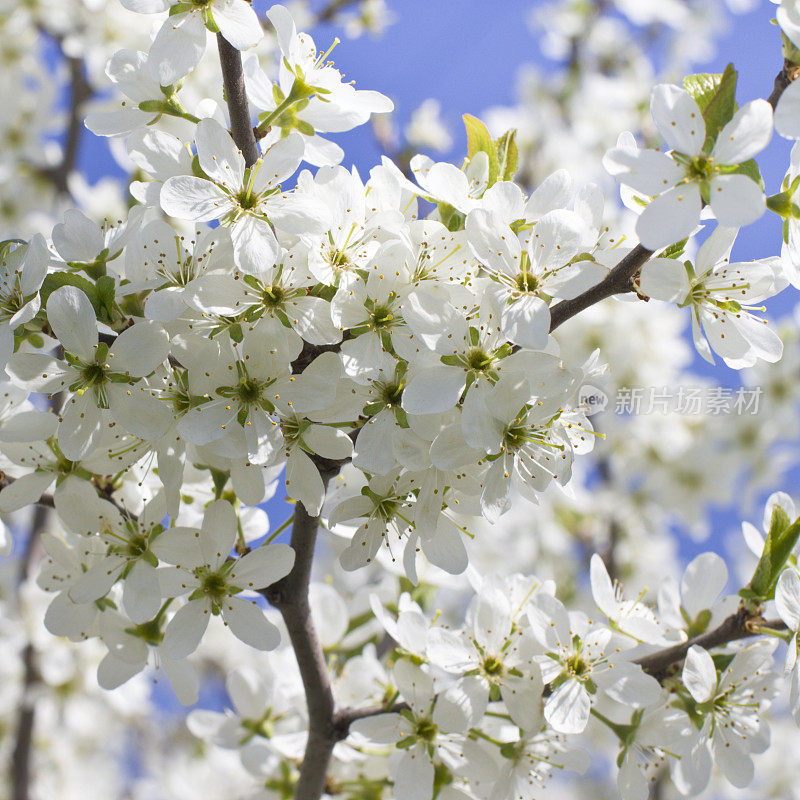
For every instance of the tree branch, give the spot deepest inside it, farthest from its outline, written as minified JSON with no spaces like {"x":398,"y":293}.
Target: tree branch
{"x":23,"y":746}
{"x":347,"y":716}
{"x":48,"y":501}
{"x":788,"y":74}
{"x":80,"y":92}
{"x":230,"y":60}
{"x":21,"y":756}
{"x":618,"y":281}
{"x":290,"y":597}
{"x":328,"y":12}
{"x":740,"y":625}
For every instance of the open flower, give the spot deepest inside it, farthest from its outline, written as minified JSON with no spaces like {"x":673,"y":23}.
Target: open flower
{"x":729,"y":706}
{"x":213,"y":581}
{"x":787,"y":601}
{"x":694,"y":173}
{"x":722,"y":298}
{"x":181,"y":41}
{"x":244,"y":199}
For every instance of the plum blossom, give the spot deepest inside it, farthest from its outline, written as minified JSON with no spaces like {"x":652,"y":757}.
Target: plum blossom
{"x":213,"y":582}
{"x":691,"y":175}
{"x":247,"y":200}
{"x":721,"y":297}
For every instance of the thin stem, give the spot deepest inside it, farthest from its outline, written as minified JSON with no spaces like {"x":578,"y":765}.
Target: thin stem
{"x":263,"y":127}
{"x":279,"y":530}
{"x":230,"y":60}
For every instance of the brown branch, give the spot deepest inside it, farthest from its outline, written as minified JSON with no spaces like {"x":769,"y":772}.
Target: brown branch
{"x":230,"y":60}
{"x":48,"y":501}
{"x":788,"y":74}
{"x":23,"y":746}
{"x":328,"y":12}
{"x":618,"y":281}
{"x":80,"y":93}
{"x":740,"y":625}
{"x":347,"y":716}
{"x":290,"y":597}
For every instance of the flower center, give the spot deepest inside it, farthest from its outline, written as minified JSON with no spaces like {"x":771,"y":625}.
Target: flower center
{"x":391,"y":394}
{"x":526,"y":283}
{"x":478,"y":360}
{"x":248,"y":391}
{"x":214,"y":586}
{"x":492,"y":665}
{"x":247,"y":200}
{"x":381,"y":317}
{"x":273,"y":296}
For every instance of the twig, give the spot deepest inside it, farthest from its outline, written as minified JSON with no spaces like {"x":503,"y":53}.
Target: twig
{"x":230,"y":60}
{"x":347,"y":716}
{"x":740,"y":625}
{"x":788,"y":74}
{"x":618,"y":281}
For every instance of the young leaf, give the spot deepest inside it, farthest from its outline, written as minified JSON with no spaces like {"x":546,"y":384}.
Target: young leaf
{"x":781,"y":539}
{"x":507,"y":155}
{"x":702,"y":87}
{"x":674,"y":250}
{"x":750,"y":168}
{"x":721,"y":107}
{"x":480,"y":140}
{"x":106,"y":291}
{"x":55,"y":280}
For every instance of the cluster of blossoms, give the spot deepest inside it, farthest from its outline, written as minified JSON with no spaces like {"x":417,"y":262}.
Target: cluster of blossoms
{"x":382,"y":349}
{"x":493,"y":706}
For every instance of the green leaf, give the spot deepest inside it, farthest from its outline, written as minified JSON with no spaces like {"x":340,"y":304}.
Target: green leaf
{"x":750,"y":168}
{"x":507,"y":155}
{"x":55,"y":280}
{"x":480,"y":140}
{"x":236,"y":333}
{"x":106,"y":292}
{"x":5,"y":246}
{"x":304,"y":127}
{"x":781,"y":204}
{"x":180,"y":8}
{"x":789,"y":49}
{"x":781,"y":539}
{"x":721,"y":107}
{"x":702,"y":87}
{"x":674,"y":250}
{"x":451,"y":218}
